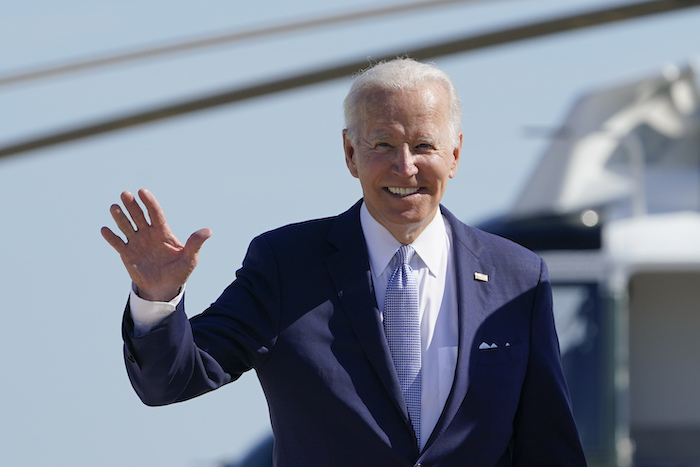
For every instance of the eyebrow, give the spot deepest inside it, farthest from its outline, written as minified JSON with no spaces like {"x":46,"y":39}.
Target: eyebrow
{"x":377,"y":136}
{"x":427,"y":139}
{"x":420,"y":139}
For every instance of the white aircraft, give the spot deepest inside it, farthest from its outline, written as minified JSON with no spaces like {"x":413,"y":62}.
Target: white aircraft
{"x":614,"y":208}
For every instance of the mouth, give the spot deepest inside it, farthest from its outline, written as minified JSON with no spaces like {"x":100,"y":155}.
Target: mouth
{"x":402,"y":191}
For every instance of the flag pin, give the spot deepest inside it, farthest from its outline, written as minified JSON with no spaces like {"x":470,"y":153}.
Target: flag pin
{"x":480,"y":276}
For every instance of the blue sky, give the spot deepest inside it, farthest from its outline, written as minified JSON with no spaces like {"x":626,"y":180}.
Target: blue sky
{"x":240,"y":170}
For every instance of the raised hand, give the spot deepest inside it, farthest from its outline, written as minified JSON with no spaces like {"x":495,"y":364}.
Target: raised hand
{"x":155,"y":259}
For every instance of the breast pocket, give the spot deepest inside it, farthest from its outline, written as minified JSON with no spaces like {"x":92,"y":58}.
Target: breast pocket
{"x":493,"y":354}
{"x":498,"y":372}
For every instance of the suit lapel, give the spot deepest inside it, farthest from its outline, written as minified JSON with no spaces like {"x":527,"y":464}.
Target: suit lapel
{"x":472,"y":307}
{"x":350,"y":272}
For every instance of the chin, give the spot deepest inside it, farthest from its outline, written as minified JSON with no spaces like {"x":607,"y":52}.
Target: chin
{"x":409,"y":218}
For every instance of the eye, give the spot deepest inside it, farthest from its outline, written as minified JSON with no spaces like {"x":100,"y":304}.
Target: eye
{"x":424,"y":147}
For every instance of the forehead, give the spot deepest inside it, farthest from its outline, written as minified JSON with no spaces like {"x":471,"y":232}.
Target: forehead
{"x":421,"y":109}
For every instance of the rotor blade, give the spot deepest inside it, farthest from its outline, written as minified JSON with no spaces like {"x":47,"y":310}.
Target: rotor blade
{"x":219,"y":39}
{"x":539,"y":29}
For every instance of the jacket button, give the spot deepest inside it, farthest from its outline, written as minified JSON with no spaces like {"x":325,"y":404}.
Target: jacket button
{"x":418,"y":465}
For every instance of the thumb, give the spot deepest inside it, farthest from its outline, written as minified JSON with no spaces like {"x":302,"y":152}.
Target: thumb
{"x":196,"y":240}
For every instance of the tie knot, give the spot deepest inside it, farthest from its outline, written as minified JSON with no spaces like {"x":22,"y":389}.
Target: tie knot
{"x":404,"y":254}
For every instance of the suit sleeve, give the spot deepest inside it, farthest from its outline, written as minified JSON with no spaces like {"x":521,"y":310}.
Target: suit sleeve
{"x":179,"y":359}
{"x":545,"y":433}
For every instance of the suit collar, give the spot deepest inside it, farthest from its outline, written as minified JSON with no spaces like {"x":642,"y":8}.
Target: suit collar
{"x":382,"y":245}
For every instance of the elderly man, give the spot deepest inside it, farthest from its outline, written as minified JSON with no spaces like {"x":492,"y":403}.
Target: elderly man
{"x":389,"y":335}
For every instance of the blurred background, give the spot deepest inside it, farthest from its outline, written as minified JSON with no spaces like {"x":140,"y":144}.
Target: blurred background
{"x":258,"y":163}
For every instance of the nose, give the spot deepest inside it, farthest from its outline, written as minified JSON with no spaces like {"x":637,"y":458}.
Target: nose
{"x":405,"y":162}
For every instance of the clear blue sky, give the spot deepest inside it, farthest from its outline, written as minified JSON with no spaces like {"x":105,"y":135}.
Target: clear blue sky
{"x":240,"y":170}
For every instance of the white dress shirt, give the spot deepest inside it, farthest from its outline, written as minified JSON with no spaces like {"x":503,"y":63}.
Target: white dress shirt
{"x":437,"y":302}
{"x":437,"y":299}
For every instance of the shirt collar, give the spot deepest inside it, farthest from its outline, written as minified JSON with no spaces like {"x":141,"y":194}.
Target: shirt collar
{"x":382,"y":246}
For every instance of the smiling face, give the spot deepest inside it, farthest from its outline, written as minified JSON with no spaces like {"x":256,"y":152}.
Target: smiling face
{"x":403,"y":155}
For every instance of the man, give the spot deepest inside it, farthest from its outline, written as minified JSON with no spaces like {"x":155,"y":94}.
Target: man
{"x":390,"y":335}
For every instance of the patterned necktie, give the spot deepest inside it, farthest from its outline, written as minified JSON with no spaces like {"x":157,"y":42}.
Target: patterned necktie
{"x":402,"y":328}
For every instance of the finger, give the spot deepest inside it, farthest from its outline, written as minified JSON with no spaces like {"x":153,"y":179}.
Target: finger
{"x":114,"y":240}
{"x":196,"y":240}
{"x":122,"y":221}
{"x":155,"y":212}
{"x":135,"y":210}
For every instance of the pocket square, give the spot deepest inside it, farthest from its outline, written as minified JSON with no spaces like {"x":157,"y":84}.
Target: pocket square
{"x":485,"y":346}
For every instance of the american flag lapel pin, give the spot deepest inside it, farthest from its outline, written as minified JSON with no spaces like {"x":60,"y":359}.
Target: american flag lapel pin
{"x":480,"y":276}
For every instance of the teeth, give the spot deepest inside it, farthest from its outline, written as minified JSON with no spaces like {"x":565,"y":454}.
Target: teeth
{"x":402,"y":191}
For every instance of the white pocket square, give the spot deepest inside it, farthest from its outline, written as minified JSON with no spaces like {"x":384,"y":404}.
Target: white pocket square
{"x":485,"y":346}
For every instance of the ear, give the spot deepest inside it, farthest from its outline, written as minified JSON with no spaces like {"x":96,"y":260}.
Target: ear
{"x":349,"y":154}
{"x":456,"y":153}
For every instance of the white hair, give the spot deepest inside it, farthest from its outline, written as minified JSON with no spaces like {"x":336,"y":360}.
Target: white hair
{"x":400,"y":74}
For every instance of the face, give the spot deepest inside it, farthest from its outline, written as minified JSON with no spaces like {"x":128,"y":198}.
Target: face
{"x":403,"y":156}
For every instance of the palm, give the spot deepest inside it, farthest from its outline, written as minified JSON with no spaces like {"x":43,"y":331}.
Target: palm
{"x":157,"y":262}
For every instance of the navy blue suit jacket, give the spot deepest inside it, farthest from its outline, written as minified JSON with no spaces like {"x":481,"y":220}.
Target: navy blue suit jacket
{"x":302,"y":313}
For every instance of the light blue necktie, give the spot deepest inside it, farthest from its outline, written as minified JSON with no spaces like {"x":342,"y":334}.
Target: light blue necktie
{"x":402,"y":328}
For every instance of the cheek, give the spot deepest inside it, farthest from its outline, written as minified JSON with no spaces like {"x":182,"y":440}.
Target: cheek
{"x":448,"y":169}
{"x":436,"y":171}
{"x":371,"y":169}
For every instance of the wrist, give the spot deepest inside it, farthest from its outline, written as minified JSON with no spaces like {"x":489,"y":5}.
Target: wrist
{"x":164,"y":295}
